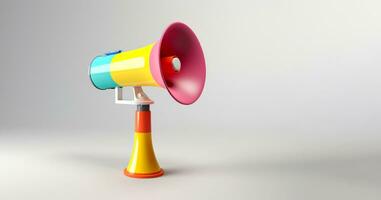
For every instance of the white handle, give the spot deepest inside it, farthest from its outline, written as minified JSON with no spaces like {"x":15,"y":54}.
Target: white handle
{"x":140,"y":98}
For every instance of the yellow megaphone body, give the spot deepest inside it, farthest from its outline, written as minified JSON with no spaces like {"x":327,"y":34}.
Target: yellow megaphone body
{"x":175,"y":62}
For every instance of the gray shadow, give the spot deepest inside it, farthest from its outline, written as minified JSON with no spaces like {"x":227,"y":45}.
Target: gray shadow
{"x":100,"y":160}
{"x":115,"y":162}
{"x":364,"y":169}
{"x":178,"y":171}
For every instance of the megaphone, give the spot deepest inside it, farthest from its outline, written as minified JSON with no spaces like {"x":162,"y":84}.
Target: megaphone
{"x":175,"y":62}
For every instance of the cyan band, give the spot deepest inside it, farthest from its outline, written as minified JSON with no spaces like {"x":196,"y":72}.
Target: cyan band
{"x":100,"y":72}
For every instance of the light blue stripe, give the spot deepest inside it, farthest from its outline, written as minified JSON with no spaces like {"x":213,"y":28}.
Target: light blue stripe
{"x":100,"y":72}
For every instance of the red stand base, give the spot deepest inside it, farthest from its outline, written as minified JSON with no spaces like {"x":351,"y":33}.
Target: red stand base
{"x":136,"y":175}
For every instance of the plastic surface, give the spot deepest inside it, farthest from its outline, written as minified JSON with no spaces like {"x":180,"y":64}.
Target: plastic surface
{"x":186,"y":85}
{"x":143,"y":159}
{"x":151,"y":65}
{"x":143,"y":121}
{"x":120,"y":69}
{"x":143,"y":163}
{"x":175,"y":62}
{"x":100,"y":72}
{"x":132,"y":68}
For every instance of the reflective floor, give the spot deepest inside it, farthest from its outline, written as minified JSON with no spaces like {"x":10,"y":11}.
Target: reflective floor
{"x":89,"y":165}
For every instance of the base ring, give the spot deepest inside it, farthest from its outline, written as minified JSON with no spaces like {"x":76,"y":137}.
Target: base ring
{"x":140,"y":175}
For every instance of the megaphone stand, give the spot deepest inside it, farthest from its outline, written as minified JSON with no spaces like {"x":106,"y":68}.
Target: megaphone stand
{"x":143,"y":163}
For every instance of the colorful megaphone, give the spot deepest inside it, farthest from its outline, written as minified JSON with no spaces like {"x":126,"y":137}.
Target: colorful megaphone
{"x":175,"y":62}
